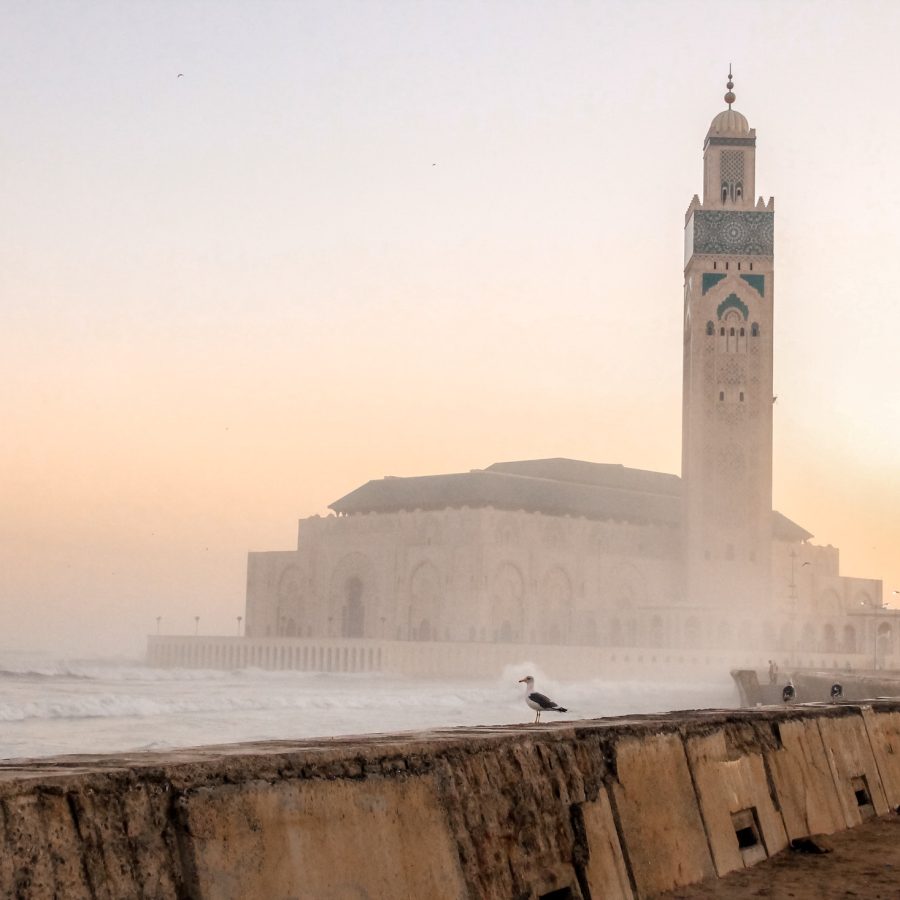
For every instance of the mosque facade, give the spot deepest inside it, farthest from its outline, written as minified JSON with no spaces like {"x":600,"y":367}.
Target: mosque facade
{"x":571,"y":553}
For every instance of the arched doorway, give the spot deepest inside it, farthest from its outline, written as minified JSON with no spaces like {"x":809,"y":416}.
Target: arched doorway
{"x":424,"y":602}
{"x":883,"y":636}
{"x":556,"y":599}
{"x":508,"y":611}
{"x":849,"y":639}
{"x":353,"y":614}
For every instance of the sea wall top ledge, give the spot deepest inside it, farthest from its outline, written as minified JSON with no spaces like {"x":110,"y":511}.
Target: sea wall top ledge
{"x":326,"y":757}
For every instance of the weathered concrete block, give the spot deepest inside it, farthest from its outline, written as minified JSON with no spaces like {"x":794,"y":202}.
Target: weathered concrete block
{"x":605,"y":871}
{"x":853,"y":766}
{"x":883,"y":727}
{"x":509,"y":808}
{"x":731,"y":778}
{"x":658,"y":812}
{"x":316,"y":839}
{"x":802,"y":779}
{"x":31,"y":850}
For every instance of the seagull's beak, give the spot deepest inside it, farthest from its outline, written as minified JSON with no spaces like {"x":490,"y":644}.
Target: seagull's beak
{"x":522,"y":679}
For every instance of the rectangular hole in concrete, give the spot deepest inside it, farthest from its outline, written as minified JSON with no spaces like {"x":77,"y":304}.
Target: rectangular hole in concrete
{"x":559,"y":894}
{"x":746,"y":830}
{"x":863,"y":797}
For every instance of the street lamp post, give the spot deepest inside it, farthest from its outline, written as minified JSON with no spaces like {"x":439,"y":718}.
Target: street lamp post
{"x":158,"y":621}
{"x":239,"y":620}
{"x":196,"y":625}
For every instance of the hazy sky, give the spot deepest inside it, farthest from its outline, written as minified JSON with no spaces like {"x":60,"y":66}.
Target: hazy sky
{"x":359,"y":239}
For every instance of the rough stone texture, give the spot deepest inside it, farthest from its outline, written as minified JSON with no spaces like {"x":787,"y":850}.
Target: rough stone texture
{"x":802,"y":779}
{"x":522,"y":842}
{"x":657,"y":807}
{"x":605,"y":871}
{"x":730,"y":776}
{"x":311,"y":840}
{"x":884,"y":736}
{"x":602,"y":809}
{"x":849,"y":756}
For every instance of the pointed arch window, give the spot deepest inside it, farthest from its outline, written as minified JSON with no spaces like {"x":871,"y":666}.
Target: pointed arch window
{"x":710,"y":328}
{"x":754,"y":329}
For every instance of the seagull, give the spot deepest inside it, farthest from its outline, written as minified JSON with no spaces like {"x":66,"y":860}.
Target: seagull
{"x":538,"y":701}
{"x":788,"y":693}
{"x":775,"y":398}
{"x":804,"y":564}
{"x":180,"y":75}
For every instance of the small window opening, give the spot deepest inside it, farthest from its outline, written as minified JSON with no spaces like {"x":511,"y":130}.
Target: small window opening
{"x":731,"y":333}
{"x":726,"y":265}
{"x":754,"y":330}
{"x":751,"y":267}
{"x":715,"y":265}
{"x":724,"y":192}
{"x":722,"y":331}
{"x":742,"y":397}
{"x":721,"y":395}
{"x":863,"y":798}
{"x":742,"y":332}
{"x":739,"y":267}
{"x":747,"y":832}
{"x":710,"y":328}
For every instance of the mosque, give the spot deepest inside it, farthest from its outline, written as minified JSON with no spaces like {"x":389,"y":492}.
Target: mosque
{"x":575,"y":554}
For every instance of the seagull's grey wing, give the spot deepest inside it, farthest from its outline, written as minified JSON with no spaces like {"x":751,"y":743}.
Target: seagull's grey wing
{"x":542,"y":701}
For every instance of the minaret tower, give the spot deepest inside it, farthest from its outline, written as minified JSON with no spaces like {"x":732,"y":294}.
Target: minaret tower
{"x":726,"y":460}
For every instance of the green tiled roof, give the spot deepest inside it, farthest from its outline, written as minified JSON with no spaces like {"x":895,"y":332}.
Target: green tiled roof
{"x":562,"y":487}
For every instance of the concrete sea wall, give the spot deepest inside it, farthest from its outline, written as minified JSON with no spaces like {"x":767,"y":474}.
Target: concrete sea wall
{"x":613,"y":808}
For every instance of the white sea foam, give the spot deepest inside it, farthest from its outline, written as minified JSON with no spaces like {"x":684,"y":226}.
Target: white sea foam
{"x":92,"y":706}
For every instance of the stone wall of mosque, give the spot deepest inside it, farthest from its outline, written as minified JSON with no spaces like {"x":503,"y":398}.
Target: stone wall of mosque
{"x":486,"y":575}
{"x":623,"y":809}
{"x":819,"y":610}
{"x":468,"y":575}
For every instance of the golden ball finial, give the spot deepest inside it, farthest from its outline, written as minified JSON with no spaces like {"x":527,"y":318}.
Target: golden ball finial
{"x":729,"y":97}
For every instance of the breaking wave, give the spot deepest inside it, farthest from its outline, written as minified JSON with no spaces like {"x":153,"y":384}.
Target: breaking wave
{"x":80,"y":706}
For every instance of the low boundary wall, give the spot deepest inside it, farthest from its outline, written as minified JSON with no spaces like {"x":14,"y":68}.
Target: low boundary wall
{"x":477,"y":660}
{"x":613,"y":808}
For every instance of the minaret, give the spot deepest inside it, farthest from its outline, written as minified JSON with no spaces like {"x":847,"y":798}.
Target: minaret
{"x":726,"y":460}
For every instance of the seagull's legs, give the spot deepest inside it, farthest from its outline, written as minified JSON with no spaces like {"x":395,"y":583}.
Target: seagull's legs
{"x":537,"y":717}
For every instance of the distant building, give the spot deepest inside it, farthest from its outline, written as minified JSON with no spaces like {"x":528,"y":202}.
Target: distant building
{"x":563,"y":552}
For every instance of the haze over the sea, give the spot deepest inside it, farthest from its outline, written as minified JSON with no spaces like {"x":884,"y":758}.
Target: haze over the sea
{"x":359,"y":239}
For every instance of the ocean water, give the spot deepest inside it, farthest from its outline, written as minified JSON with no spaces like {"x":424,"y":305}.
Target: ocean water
{"x":54,"y":706}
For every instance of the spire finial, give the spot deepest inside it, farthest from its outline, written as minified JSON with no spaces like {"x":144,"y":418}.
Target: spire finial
{"x":729,"y":97}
